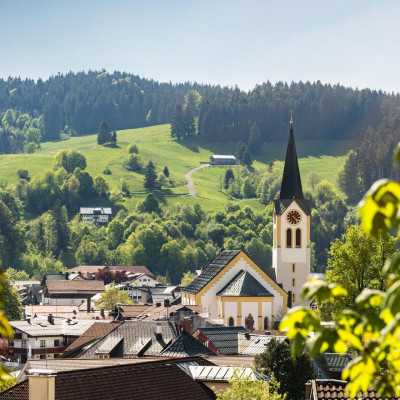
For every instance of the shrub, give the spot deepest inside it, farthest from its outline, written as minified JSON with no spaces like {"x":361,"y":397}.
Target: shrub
{"x":107,"y":171}
{"x":133,"y":149}
{"x":23,"y":174}
{"x":133,"y":163}
{"x":30,"y":148}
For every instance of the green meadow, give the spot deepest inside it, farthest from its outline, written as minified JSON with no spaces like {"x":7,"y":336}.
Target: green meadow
{"x":322,"y":156}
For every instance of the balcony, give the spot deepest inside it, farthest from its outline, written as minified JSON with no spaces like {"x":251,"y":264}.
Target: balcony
{"x":17,"y":335}
{"x":42,"y":350}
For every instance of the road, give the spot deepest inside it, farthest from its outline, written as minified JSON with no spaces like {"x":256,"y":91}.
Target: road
{"x":190,"y":182}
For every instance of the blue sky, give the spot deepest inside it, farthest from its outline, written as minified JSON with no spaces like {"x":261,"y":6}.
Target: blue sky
{"x":355,"y":43}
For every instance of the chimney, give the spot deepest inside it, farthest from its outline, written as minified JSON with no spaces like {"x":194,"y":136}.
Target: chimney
{"x":28,"y":320}
{"x":159,"y":331}
{"x":50,"y":319}
{"x":308,"y":390}
{"x":42,"y":384}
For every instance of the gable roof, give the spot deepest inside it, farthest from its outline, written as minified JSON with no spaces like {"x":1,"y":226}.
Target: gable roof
{"x":332,"y":364}
{"x":38,"y":327}
{"x":186,"y":345}
{"x":131,"y":269}
{"x":244,"y":284}
{"x":150,"y":380}
{"x":335,"y":389}
{"x":223,"y":373}
{"x":211,"y":270}
{"x":224,"y":339}
{"x":96,"y":331}
{"x":83,"y":287}
{"x":130,"y":332}
{"x":250,"y":344}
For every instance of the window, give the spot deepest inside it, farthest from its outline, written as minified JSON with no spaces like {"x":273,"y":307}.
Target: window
{"x":231,"y":321}
{"x":43,"y":356}
{"x":293,"y":298}
{"x":293,"y":282}
{"x":42,"y":343}
{"x":11,"y":343}
{"x":56,"y":343}
{"x":293,"y":268}
{"x":72,"y":301}
{"x":298,"y":237}
{"x":265,"y":322}
{"x":24,"y":344}
{"x":288,"y":237}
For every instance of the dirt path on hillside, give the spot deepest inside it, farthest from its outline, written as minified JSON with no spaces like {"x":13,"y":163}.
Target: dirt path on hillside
{"x":190,"y":182}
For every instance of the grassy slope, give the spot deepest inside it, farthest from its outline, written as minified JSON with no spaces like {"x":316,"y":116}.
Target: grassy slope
{"x":324,"y":157}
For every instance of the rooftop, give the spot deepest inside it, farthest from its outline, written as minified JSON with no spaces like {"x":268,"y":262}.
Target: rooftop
{"x":40,"y":326}
{"x":150,"y":380}
{"x":96,"y":210}
{"x":225,"y":339}
{"x":244,"y":284}
{"x":250,"y":344}
{"x":218,"y":373}
{"x":83,"y":287}
{"x":186,"y":345}
{"x":211,"y":270}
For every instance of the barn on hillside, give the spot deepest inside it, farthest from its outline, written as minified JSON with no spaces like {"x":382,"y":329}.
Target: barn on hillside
{"x":218,"y":159}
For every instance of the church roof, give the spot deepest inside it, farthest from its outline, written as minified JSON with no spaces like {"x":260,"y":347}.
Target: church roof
{"x":244,"y":284}
{"x":291,"y":187}
{"x":211,"y":270}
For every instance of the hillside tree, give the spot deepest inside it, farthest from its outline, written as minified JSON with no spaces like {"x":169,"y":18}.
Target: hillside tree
{"x":150,"y":176}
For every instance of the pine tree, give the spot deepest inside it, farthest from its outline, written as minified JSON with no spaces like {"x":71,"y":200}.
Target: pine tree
{"x":189,"y":123}
{"x":104,"y":134}
{"x":228,"y":176}
{"x":255,"y":140}
{"x":150,"y":176}
{"x":113,"y":139}
{"x":166,"y":171}
{"x":178,"y":122}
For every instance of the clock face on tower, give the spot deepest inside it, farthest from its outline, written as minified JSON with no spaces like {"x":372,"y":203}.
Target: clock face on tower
{"x":293,"y":217}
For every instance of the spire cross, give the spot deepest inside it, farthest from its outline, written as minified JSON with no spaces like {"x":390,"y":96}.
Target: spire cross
{"x":291,"y":117}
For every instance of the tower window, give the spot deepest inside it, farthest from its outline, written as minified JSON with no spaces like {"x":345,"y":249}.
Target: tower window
{"x":293,"y":282}
{"x":288,"y":237}
{"x":293,"y":268}
{"x":298,"y":237}
{"x":293,"y":298}
{"x":231,"y":321}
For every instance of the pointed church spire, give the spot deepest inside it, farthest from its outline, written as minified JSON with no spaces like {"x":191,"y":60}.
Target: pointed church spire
{"x":291,"y":182}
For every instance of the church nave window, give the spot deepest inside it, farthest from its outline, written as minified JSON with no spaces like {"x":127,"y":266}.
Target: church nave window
{"x":298,"y":237}
{"x":288,"y":237}
{"x":231,"y":321}
{"x":265,"y":322}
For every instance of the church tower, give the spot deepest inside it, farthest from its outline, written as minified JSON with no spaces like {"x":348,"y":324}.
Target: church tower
{"x":291,"y":255}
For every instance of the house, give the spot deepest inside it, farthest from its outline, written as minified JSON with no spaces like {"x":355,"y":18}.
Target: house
{"x":96,"y":215}
{"x":237,"y":291}
{"x":141,"y":279}
{"x":217,"y":159}
{"x":45,"y":337}
{"x":133,"y":339}
{"x":221,"y":340}
{"x":76,"y":292}
{"x":335,"y":389}
{"x":331,"y":365}
{"x":89,"y":271}
{"x":23,"y":289}
{"x":157,"y":380}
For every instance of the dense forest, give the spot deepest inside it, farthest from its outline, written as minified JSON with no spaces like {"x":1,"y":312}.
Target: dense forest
{"x":76,"y":103}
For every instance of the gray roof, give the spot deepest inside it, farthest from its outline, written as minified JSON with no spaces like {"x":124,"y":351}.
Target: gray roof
{"x":217,"y":373}
{"x":225,"y":339}
{"x":250,"y":344}
{"x":130,"y":332}
{"x":61,"y":327}
{"x":97,"y":210}
{"x":226,"y":157}
{"x":244,"y":284}
{"x":211,"y":270}
{"x":186,"y":345}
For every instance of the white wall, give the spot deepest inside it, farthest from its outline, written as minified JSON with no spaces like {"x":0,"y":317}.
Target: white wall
{"x":231,"y":310}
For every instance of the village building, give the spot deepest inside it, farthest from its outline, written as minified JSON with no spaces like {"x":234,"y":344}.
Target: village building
{"x":96,"y":215}
{"x":44,"y":337}
{"x":89,"y":271}
{"x":218,"y":159}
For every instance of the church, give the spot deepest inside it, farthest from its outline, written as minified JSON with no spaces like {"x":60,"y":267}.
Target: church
{"x":233,"y":288}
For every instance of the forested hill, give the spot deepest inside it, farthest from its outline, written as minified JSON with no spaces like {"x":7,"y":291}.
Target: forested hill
{"x":82,"y":100}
